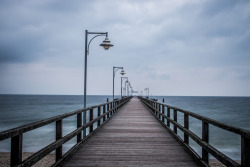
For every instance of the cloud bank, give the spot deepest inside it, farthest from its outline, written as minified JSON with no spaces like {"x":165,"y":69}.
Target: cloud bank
{"x":173,"y":47}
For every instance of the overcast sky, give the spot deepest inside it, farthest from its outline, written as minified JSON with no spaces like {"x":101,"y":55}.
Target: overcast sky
{"x":173,"y":47}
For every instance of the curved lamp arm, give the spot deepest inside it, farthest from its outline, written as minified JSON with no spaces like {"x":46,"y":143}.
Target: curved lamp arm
{"x":92,"y":40}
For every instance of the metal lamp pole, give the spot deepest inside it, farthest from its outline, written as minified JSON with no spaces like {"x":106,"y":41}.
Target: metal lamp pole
{"x":147,"y":91}
{"x":114,"y":71}
{"x":128,"y":85}
{"x":106,"y":44}
{"x":122,"y":78}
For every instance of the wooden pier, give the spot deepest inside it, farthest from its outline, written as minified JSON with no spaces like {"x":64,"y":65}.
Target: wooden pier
{"x":129,"y":132}
{"x":133,"y":137}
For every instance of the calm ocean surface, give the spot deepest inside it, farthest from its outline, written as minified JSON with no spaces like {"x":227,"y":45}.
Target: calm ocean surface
{"x":16,"y":110}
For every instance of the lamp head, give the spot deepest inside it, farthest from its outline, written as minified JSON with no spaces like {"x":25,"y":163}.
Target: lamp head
{"x":106,"y":44}
{"x":123,"y":72}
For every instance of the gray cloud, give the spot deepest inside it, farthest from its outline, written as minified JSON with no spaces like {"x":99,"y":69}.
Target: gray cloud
{"x":149,"y":38}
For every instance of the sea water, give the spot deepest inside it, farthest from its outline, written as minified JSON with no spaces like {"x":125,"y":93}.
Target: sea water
{"x":233,"y":111}
{"x":17,"y":110}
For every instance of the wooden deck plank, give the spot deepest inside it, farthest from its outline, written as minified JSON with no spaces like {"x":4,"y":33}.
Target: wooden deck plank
{"x":133,"y":137}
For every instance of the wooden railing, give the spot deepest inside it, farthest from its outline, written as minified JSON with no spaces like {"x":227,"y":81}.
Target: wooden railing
{"x":162,"y":113}
{"x":104,"y":113}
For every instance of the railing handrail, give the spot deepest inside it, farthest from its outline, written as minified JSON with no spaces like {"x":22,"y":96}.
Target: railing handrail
{"x":16,"y":134}
{"x":158,"y":109}
{"x":234,"y":129}
{"x":34,"y":125}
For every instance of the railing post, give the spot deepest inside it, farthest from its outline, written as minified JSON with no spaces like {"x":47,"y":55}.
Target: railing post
{"x":163,"y":112}
{"x":99,"y":114}
{"x":154,"y":108}
{"x":113,"y":107}
{"x":116,"y":105}
{"x":186,"y":125}
{"x":58,"y":136}
{"x":104,"y":108}
{"x":159,"y":109}
{"x":16,"y":150}
{"x":245,"y":151}
{"x":168,"y":115}
{"x":108,"y":110}
{"x":79,"y":124}
{"x":90,"y":119}
{"x":205,"y":137}
{"x":175,"y":119}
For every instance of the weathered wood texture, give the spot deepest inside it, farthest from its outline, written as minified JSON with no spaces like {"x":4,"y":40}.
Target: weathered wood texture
{"x":133,"y":137}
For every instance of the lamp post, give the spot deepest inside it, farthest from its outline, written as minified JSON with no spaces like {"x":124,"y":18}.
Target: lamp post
{"x":131,"y":92}
{"x":106,"y":44}
{"x":147,"y":91}
{"x":114,"y":71}
{"x":126,"y":86}
{"x":122,"y":78}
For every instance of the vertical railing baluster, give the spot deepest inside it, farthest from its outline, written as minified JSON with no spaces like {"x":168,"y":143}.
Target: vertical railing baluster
{"x":186,"y":125}
{"x":116,"y":105}
{"x":58,"y":136}
{"x":175,"y":119}
{"x":205,"y":137}
{"x":168,"y":116}
{"x":245,"y":151}
{"x":16,"y":150}
{"x":111,"y":108}
{"x":163,"y":112}
{"x":154,"y":106}
{"x":104,"y":108}
{"x":159,"y":109}
{"x":79,"y":124}
{"x":108,"y":110}
{"x":99,"y":114}
{"x":90,"y":119}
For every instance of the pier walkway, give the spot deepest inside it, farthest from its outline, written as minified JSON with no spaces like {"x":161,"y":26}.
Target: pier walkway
{"x":133,"y":137}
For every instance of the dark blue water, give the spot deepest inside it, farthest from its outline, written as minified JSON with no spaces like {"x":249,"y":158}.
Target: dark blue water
{"x":233,"y":111}
{"x":16,"y":110}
